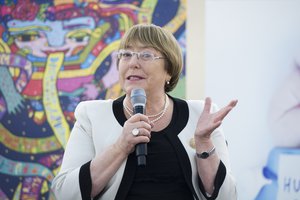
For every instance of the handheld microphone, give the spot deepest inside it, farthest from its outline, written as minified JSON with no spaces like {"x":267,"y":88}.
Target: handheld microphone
{"x":138,"y":101}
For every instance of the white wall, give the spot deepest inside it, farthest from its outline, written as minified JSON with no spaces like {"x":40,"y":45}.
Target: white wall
{"x":195,"y":49}
{"x":250,"y":47}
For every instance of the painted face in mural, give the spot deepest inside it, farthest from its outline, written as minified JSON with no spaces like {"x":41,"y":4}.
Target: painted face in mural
{"x":55,"y":54}
{"x":42,"y":38}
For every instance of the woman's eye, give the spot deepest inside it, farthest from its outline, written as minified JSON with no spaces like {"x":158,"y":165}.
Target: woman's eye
{"x":146,"y":55}
{"x":127,"y":54}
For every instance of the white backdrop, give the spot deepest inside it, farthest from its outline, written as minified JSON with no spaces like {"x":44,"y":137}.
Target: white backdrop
{"x":250,"y":48}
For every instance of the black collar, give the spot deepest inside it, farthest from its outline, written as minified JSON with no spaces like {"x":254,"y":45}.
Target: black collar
{"x":179,"y":118}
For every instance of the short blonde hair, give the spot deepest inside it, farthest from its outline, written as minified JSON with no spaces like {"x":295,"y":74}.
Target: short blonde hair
{"x":162,"y":41}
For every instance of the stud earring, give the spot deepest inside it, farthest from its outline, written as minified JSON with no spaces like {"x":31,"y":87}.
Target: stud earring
{"x":168,"y":82}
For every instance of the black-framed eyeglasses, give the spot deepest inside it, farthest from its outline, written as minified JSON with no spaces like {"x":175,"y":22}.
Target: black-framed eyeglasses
{"x":143,"y":55}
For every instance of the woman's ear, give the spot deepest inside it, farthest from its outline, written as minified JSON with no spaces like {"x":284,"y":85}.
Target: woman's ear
{"x":168,"y":79}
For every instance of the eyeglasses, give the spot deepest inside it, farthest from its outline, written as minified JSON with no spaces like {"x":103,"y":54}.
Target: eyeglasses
{"x":144,"y":55}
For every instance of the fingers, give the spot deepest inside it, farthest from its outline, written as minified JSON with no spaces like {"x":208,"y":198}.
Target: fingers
{"x":207,"y":105}
{"x":137,"y":136}
{"x":209,"y":121}
{"x":134,"y":132}
{"x":233,"y":103}
{"x":140,"y":132}
{"x":138,"y":128}
{"x":139,"y":117}
{"x":208,"y":102}
{"x":221,"y":114}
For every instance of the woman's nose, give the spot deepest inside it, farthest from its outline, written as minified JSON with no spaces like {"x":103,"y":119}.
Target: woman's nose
{"x":134,"y":61}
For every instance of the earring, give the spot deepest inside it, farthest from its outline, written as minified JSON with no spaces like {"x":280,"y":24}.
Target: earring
{"x":168,"y":82}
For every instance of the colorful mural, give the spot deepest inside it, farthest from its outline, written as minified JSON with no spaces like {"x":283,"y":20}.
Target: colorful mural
{"x":54,"y":54}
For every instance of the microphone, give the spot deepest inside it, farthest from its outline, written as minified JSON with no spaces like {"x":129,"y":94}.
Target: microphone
{"x":138,"y":101}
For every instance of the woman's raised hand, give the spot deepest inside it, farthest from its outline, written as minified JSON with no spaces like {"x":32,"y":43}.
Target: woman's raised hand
{"x":208,"y":121}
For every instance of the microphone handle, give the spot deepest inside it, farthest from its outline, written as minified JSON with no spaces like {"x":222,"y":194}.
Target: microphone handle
{"x":141,"y":150}
{"x":138,"y":109}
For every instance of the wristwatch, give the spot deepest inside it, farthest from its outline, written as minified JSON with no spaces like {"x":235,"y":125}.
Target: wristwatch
{"x":206,"y":154}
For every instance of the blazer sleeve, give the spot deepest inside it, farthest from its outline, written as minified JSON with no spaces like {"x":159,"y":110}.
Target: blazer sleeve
{"x":78,"y":154}
{"x":227,"y":188}
{"x":225,"y":184}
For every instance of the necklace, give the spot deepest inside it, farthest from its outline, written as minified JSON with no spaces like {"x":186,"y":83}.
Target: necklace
{"x":158,"y":115}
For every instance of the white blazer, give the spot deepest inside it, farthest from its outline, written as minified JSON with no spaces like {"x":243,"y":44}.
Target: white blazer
{"x":96,"y":128}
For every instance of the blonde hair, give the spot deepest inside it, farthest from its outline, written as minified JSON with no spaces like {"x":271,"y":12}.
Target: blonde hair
{"x":162,"y":41}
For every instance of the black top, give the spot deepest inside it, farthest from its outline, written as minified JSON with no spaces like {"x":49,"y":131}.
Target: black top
{"x":162,"y":177}
{"x":168,"y":173}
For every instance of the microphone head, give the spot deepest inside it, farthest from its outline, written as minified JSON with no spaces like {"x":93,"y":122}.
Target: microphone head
{"x":138,"y":97}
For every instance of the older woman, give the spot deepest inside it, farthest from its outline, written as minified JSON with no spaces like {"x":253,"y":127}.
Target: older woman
{"x":187,"y":153}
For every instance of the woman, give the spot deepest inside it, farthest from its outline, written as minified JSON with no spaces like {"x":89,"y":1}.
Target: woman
{"x":187,"y":154}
